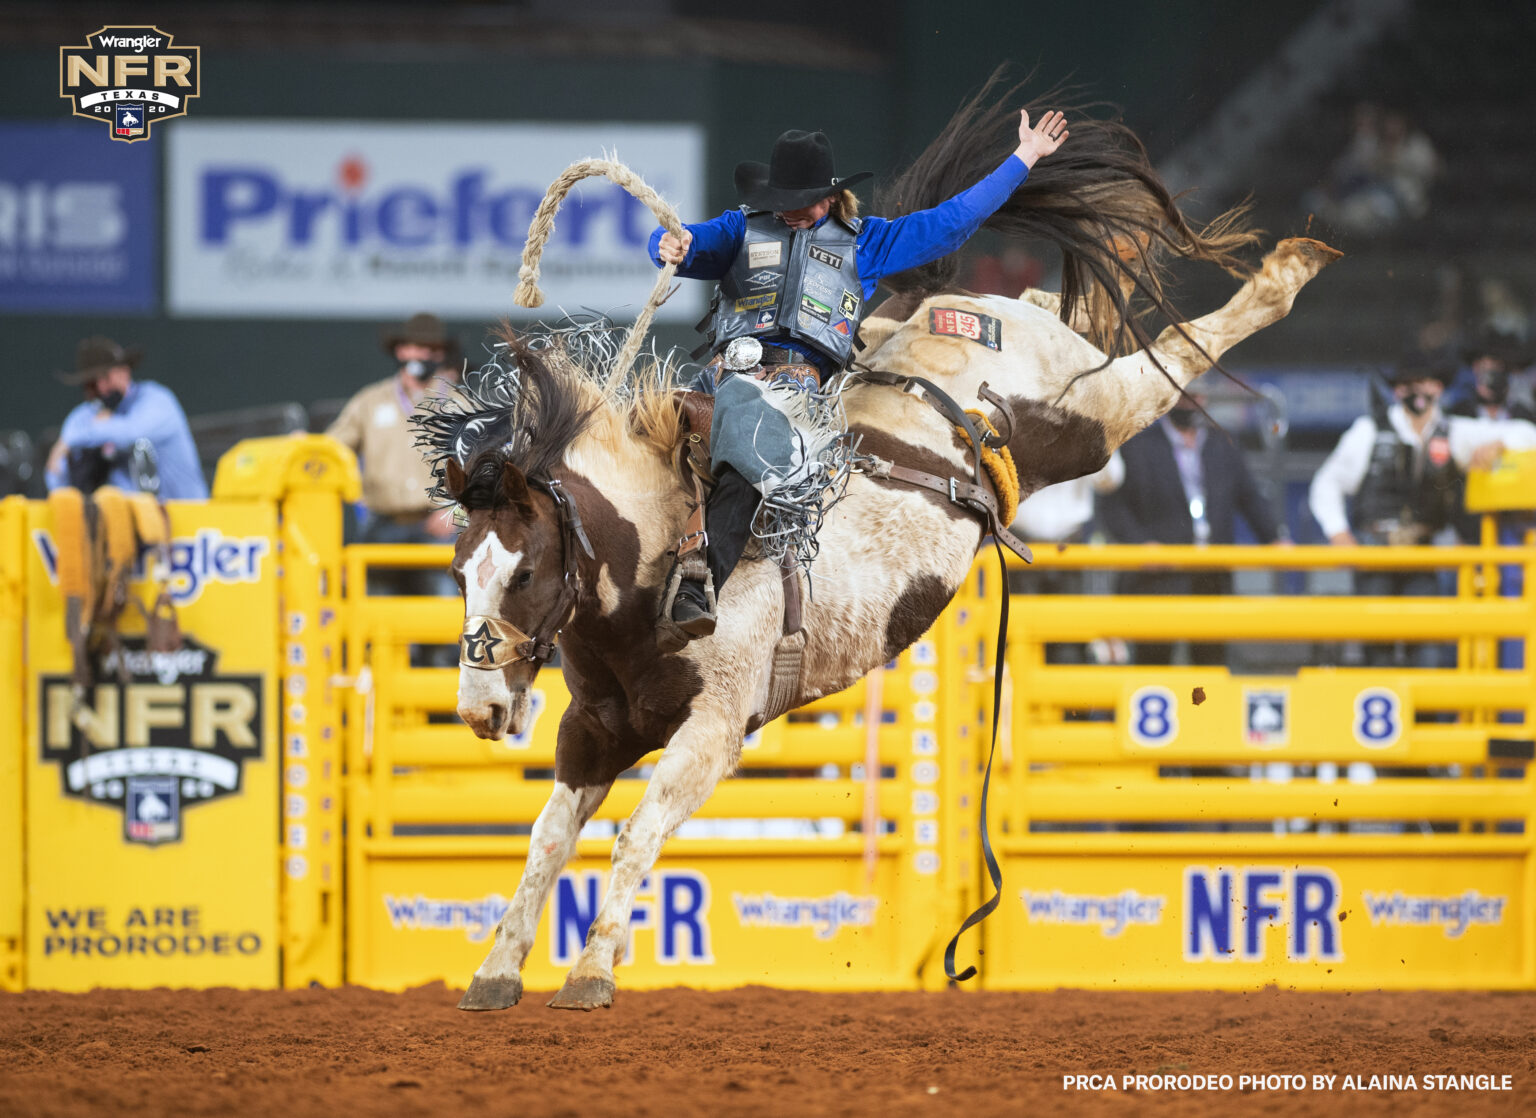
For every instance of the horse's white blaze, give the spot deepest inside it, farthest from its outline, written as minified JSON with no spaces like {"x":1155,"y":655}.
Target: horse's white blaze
{"x":486,"y":572}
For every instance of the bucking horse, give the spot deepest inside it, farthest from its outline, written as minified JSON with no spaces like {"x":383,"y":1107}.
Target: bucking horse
{"x":575,"y":504}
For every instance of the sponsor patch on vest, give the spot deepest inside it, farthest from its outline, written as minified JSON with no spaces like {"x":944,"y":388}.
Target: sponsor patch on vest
{"x":766,"y":318}
{"x":849,"y":304}
{"x":764,"y":254}
{"x":764,"y":278}
{"x":822,"y":256}
{"x":811,"y":308}
{"x":752,"y":302}
{"x":954,"y":323}
{"x":843,"y":327}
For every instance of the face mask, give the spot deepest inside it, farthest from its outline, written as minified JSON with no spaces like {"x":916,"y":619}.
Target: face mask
{"x":110,"y":400}
{"x":1495,"y":386}
{"x":1417,"y":403}
{"x":1185,"y":419}
{"x":421,"y":370}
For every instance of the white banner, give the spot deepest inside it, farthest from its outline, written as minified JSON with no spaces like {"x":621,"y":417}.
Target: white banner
{"x":362,"y":219}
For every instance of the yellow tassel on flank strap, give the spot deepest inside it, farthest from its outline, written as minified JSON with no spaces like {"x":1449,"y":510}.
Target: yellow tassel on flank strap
{"x":1000,"y":468}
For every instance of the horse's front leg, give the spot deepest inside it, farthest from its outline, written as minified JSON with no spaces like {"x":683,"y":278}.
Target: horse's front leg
{"x":702,"y":751}
{"x":498,"y":984}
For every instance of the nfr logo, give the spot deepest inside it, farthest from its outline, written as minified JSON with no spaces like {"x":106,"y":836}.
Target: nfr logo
{"x":128,"y":77}
{"x":171,"y":732}
{"x":677,"y":909}
{"x":1227,"y":913}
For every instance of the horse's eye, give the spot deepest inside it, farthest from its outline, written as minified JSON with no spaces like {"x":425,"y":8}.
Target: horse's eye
{"x":524,"y":578}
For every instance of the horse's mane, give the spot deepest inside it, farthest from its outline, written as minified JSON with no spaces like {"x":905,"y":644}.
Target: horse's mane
{"x":1098,"y":199}
{"x":538,"y":395}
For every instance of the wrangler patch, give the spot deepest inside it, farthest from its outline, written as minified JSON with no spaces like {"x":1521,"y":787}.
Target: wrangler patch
{"x":952,"y":323}
{"x":752,"y":302}
{"x":764,"y":254}
{"x":822,"y":256}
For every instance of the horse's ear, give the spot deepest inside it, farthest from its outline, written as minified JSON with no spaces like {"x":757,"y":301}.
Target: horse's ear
{"x":515,"y":486}
{"x":453,"y":479}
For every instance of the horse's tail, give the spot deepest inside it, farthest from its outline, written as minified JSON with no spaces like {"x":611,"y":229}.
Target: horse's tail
{"x":1098,"y":199}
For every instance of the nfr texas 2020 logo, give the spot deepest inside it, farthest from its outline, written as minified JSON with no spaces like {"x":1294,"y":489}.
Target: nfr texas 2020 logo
{"x":129,"y":78}
{"x":169,"y":732}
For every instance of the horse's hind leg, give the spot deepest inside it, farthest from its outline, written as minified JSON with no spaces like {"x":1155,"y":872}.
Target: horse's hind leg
{"x":498,"y":984}
{"x":702,"y":752}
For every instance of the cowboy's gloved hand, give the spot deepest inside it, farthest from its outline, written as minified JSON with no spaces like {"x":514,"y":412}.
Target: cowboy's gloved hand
{"x":1038,"y":142}
{"x":674,"y":250}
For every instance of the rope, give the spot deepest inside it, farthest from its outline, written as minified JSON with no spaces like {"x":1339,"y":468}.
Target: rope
{"x":1000,"y":467}
{"x":528,"y":293}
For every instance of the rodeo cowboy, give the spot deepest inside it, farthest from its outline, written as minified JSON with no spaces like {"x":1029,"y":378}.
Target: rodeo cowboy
{"x":796,"y":267}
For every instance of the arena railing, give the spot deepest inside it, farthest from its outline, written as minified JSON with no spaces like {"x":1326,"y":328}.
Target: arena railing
{"x":1186,"y":826}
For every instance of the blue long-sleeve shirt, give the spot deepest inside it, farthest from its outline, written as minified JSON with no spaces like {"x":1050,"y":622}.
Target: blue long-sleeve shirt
{"x":148,"y":411}
{"x":883,"y":247}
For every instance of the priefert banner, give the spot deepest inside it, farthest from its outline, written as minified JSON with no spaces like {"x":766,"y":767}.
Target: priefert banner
{"x":368,"y":219}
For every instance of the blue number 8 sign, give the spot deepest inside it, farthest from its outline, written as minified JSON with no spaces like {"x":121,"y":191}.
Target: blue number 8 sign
{"x":1378,"y":718}
{"x":1154,"y":719}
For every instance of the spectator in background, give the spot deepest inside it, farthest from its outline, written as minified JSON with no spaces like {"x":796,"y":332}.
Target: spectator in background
{"x":1184,"y":484}
{"x":1481,"y":387}
{"x":128,"y":433}
{"x":1408,"y":163}
{"x":1406,"y":469}
{"x":1381,"y":179}
{"x":374,"y":425}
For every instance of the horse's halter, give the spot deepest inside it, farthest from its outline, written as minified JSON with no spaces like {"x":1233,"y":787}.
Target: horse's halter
{"x":491,"y":643}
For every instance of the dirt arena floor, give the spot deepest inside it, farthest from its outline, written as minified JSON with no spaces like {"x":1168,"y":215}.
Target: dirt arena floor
{"x":353,"y":1053}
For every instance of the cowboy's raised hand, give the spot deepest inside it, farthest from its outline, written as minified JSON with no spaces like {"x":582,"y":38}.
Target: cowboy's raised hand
{"x":1041,"y":140}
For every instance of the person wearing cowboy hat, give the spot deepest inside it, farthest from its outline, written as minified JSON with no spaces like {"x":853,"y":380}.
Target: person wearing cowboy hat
{"x":128,"y":433}
{"x":1405,"y":468}
{"x":796,"y":268}
{"x":373,"y":424}
{"x":1482,"y":384}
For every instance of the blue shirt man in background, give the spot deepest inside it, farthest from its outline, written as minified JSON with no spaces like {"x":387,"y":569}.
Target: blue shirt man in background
{"x":128,"y":433}
{"x":797,"y":290}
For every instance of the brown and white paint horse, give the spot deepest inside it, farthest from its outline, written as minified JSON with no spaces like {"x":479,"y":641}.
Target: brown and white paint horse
{"x":891,"y":558}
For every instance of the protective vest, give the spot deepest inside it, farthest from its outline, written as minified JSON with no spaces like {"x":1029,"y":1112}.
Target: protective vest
{"x":1404,"y":487}
{"x":792,"y":283}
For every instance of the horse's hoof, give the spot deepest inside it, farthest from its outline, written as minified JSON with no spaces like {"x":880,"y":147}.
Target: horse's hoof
{"x":584,"y":993}
{"x":1311,"y":250}
{"x":492,"y":993}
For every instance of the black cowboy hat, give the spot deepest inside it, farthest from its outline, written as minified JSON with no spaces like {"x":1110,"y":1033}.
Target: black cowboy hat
{"x":94,"y":356}
{"x":1423,"y":365}
{"x":798,"y":174}
{"x":1502,"y":347}
{"x":420,"y":329}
